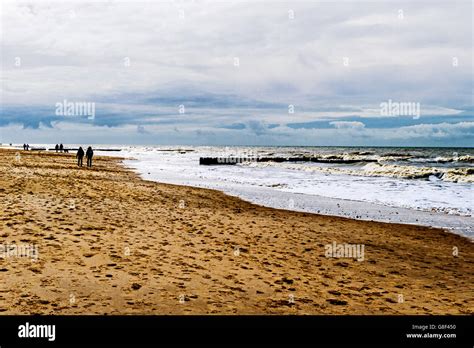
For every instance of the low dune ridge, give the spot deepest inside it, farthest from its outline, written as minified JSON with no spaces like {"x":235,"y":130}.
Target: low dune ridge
{"x":109,"y":242}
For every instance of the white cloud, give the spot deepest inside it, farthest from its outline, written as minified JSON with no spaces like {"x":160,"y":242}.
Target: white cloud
{"x":84,"y":54}
{"x":347,"y":124}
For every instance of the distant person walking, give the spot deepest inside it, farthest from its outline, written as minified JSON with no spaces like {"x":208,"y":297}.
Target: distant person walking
{"x":61,"y":147}
{"x":56,"y":147}
{"x":27,"y":147}
{"x":89,"y":154}
{"x":24,"y":146}
{"x":80,"y":156}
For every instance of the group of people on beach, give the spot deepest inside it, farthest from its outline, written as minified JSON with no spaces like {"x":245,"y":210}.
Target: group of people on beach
{"x":80,"y":155}
{"x":61,"y":148}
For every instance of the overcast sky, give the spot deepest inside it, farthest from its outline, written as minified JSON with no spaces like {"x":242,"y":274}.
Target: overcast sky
{"x":237,"y":73}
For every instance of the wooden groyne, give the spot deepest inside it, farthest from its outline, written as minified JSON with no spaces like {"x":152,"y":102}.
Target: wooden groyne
{"x":234,"y":160}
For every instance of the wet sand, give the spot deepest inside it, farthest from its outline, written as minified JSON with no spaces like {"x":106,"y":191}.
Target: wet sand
{"x":112,"y":243}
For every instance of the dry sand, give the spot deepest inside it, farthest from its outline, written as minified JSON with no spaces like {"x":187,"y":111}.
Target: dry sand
{"x":111,"y":243}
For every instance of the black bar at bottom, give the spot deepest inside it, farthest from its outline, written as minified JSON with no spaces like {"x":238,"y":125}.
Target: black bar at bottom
{"x":239,"y":330}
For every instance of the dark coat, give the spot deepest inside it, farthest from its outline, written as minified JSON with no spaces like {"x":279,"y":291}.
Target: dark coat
{"x":89,"y":153}
{"x":80,"y":152}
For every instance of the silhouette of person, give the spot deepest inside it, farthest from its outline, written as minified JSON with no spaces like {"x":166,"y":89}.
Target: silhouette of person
{"x":80,"y":156}
{"x":24,"y":146}
{"x":61,"y":147}
{"x":56,"y":147}
{"x":89,"y":154}
{"x":27,"y":147}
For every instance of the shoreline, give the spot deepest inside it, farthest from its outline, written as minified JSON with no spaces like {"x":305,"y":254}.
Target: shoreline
{"x":329,"y":206}
{"x":131,"y":246}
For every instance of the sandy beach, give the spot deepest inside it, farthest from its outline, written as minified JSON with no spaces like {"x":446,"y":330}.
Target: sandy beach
{"x":109,"y":242}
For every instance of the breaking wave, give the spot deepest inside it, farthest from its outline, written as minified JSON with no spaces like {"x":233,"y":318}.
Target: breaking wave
{"x":459,"y":175}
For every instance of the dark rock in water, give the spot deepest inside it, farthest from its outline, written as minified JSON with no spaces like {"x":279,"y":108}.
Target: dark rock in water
{"x":235,"y":160}
{"x":211,"y":161}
